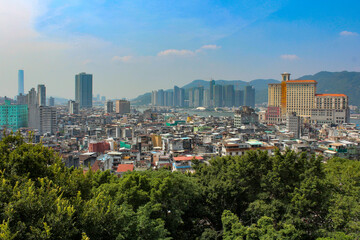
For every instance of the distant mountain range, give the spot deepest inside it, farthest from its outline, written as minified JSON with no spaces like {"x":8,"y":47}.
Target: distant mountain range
{"x":338,"y":82}
{"x":328,"y":82}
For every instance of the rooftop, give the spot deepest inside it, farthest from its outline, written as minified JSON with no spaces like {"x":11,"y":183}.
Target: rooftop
{"x":301,"y":81}
{"x":329,"y":95}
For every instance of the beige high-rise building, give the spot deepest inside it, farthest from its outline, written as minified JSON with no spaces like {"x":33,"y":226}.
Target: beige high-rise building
{"x":122,"y":106}
{"x":330,"y":109}
{"x":299,"y":96}
{"x":292,"y":96}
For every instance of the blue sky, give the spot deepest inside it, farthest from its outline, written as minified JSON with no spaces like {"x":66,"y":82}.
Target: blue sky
{"x":133,"y":47}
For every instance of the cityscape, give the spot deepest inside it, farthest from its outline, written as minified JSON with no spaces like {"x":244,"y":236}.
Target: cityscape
{"x":192,"y":120}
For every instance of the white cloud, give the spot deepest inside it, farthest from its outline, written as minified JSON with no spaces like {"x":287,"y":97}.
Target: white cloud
{"x":185,"y":52}
{"x":170,"y":52}
{"x":210,"y":46}
{"x":121,"y":59}
{"x":347,"y":33}
{"x":289,"y":57}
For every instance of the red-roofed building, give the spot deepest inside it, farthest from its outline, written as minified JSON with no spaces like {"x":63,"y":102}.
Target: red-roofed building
{"x":122,"y":168}
{"x":183,"y":163}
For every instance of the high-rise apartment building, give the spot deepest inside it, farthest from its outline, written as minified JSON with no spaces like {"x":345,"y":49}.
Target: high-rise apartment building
{"x":229,"y":95}
{"x":51,"y":102}
{"x":293,"y":124}
{"x":182,"y":97}
{"x":176,"y":96}
{"x":218,"y":96}
{"x":32,"y":97}
{"x":48,"y":118}
{"x":206,"y":100}
{"x":154,"y":98}
{"x":84,"y":90}
{"x":73,"y":107}
{"x":239,"y":98}
{"x":41,"y":95}
{"x":13,"y":116}
{"x":170,"y":98}
{"x":21,"y":99}
{"x":109,"y":106}
{"x":211,"y":92}
{"x":122,"y":106}
{"x":160,"y":97}
{"x":249,"y":96}
{"x":21,"y":82}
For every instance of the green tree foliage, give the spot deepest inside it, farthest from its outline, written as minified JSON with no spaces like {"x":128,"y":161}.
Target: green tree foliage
{"x":255,"y":196}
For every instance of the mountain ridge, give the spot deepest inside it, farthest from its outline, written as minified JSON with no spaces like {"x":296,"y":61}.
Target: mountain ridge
{"x":345,"y":82}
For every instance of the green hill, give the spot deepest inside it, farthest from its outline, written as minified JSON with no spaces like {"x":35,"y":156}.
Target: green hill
{"x":328,"y":82}
{"x":338,"y":82}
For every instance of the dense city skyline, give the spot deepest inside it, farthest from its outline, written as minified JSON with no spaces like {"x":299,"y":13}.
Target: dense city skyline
{"x":139,"y":46}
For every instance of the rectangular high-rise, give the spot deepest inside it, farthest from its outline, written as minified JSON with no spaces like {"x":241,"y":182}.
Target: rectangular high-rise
{"x":292,"y":96}
{"x":51,"y":102}
{"x":211,"y":92}
{"x":229,"y":95}
{"x":122,"y":106}
{"x":41,"y":95}
{"x":249,"y":96}
{"x":84,"y":90}
{"x":218,"y":96}
{"x":13,"y":116}
{"x":109,"y":106}
{"x":21,"y":82}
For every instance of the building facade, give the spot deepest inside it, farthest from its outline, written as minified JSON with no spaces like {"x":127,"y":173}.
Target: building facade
{"x":84,"y":90}
{"x":41,"y":95}
{"x":122,"y":106}
{"x":300,"y":96}
{"x":21,"y":82}
{"x":73,"y":107}
{"x":109,"y":106}
{"x":249,"y":96}
{"x":13,"y":116}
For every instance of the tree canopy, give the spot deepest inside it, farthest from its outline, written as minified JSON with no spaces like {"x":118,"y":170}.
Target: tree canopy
{"x":255,"y":196}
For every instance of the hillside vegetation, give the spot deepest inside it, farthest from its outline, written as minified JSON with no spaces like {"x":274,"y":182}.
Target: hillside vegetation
{"x":255,"y":196}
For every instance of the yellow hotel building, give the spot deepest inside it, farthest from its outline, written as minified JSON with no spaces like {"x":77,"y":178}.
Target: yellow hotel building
{"x":300,"y":96}
{"x":293,"y":96}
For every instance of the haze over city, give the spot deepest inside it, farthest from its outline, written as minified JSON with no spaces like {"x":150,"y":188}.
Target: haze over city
{"x":132,"y":47}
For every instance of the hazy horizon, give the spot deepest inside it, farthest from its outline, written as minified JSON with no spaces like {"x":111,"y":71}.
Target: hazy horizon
{"x":133,"y":47}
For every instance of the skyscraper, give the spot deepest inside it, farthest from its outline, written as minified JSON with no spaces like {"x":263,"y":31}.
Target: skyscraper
{"x":122,"y":106}
{"x":51,"y":102}
{"x":211,"y":92}
{"x":218,"y":96}
{"x":249,"y":96}
{"x":154,"y":98}
{"x":32,"y":100}
{"x":73,"y":107}
{"x":109,"y":106}
{"x":182,"y":97}
{"x":176,"y":96}
{"x":41,"y":95}
{"x":160,"y":97}
{"x":239,"y":98}
{"x":21,"y":82}
{"x":84,"y":90}
{"x":229,"y":97}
